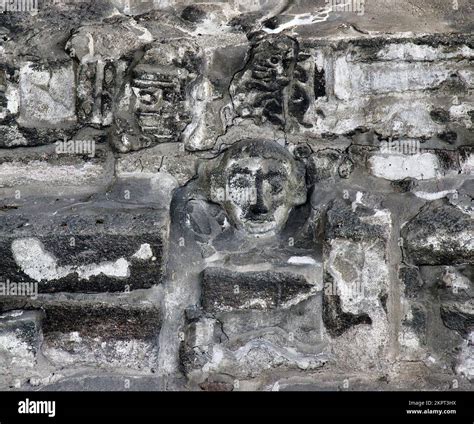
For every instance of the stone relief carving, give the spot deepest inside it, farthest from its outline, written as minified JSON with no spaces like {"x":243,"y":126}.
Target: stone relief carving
{"x":154,"y":105}
{"x":278,"y":83}
{"x":96,"y":89}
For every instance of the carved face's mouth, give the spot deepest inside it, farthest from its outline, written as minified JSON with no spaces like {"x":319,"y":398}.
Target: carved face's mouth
{"x":261,"y":226}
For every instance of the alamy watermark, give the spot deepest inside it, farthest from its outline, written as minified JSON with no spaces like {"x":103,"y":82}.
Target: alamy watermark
{"x":243,"y":195}
{"x":18,"y":5}
{"x":400,"y":147}
{"x":11,"y":288}
{"x":349,"y":6}
{"x":75,"y":147}
{"x":353,"y":289}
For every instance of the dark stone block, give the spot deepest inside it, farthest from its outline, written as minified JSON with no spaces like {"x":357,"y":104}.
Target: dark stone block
{"x":458,"y":317}
{"x":344,"y":223}
{"x":224,"y":290}
{"x":107,"y":318}
{"x":93,"y":250}
{"x":123,"y":322}
{"x":440,"y":234}
{"x":403,"y":186}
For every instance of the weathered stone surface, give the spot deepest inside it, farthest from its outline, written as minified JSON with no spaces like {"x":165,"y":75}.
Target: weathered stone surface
{"x":329,"y":164}
{"x":335,"y":319}
{"x":357,"y":281}
{"x":155,"y":105}
{"x":465,"y":365}
{"x":412,"y":280}
{"x":286,"y":202}
{"x":439,"y":235}
{"x":20,"y":339}
{"x":246,"y":344}
{"x":169,"y":158}
{"x":458,"y":317}
{"x":84,"y":172}
{"x":114,"y":332}
{"x":47,"y":97}
{"x":347,"y":221}
{"x":224,"y":290}
{"x":89,"y":250}
{"x":381,"y":78}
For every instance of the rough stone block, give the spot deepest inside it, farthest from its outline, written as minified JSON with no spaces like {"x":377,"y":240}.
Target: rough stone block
{"x":114,"y":332}
{"x":357,"y":281}
{"x":358,"y":79}
{"x":224,"y":290}
{"x":91,"y":250}
{"x":47,"y":96}
{"x":441,"y":234}
{"x":43,"y":170}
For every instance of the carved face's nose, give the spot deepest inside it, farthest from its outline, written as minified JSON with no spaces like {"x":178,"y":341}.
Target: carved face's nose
{"x":258,"y":208}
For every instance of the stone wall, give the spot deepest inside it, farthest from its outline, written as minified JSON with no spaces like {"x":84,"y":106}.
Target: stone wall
{"x":217,"y":196}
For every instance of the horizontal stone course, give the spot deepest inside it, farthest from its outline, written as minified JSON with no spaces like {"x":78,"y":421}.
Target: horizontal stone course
{"x":91,"y":251}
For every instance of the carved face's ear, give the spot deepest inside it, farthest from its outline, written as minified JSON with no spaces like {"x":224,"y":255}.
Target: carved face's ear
{"x":299,"y":190}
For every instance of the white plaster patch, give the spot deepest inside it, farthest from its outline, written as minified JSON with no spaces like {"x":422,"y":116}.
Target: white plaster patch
{"x":433,"y":196}
{"x":357,"y":201}
{"x":144,"y":252}
{"x":38,"y":264}
{"x":15,"y":352}
{"x":421,"y":166}
{"x":301,"y":260}
{"x":13,"y":99}
{"x":461,"y":113}
{"x":301,"y":19}
{"x":47,"y":97}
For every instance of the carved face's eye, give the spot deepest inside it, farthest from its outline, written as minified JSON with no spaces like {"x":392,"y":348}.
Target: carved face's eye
{"x":274,"y":60}
{"x":276,"y":181}
{"x":276,"y":185}
{"x":240,"y":181}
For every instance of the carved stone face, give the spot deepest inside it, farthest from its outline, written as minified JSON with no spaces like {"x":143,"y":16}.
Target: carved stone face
{"x":257,"y":193}
{"x":258,"y":186}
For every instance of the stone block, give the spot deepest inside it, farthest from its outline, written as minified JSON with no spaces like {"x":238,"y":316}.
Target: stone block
{"x":88,"y":250}
{"x":440,"y":234}
{"x":224,"y":290}
{"x":47,"y":96}
{"x":44,"y":170}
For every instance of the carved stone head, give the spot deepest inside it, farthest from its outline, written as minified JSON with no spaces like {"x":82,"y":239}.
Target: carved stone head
{"x":258,"y":182}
